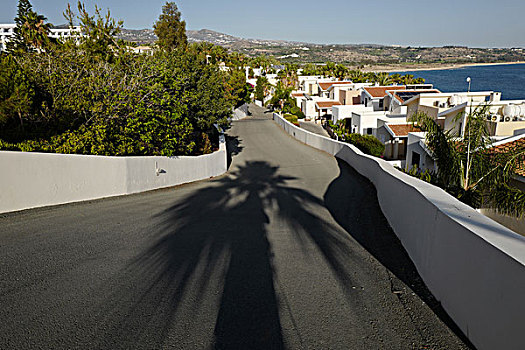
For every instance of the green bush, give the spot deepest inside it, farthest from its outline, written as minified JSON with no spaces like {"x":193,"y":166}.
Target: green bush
{"x":297,"y":112}
{"x":367,"y":144}
{"x":98,"y":98}
{"x":291,"y":118}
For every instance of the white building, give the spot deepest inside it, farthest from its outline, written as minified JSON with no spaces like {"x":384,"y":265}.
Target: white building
{"x":7,"y":31}
{"x":345,"y":111}
{"x":417,"y":152}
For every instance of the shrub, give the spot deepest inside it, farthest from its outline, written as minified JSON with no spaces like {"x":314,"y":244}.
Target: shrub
{"x":297,"y":112}
{"x":367,"y":144}
{"x":291,"y":118}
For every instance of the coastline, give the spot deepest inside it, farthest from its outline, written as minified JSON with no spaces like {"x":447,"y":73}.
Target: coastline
{"x":409,"y":68}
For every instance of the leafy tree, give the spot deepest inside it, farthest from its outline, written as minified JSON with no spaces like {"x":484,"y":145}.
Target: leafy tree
{"x":98,"y":32}
{"x":357,"y":76}
{"x":251,"y":73}
{"x":329,"y":69}
{"x":237,"y":89}
{"x":97,"y":98}
{"x":469,"y":167}
{"x":311,"y":69}
{"x":288,"y":76}
{"x":281,"y":97}
{"x":170,"y":29}
{"x":30,"y":33}
{"x":261,"y":88}
{"x":340,"y":71}
{"x":383,"y":79}
{"x":17,"y":95}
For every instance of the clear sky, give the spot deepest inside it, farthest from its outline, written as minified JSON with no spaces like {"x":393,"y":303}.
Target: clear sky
{"x":475,"y":23}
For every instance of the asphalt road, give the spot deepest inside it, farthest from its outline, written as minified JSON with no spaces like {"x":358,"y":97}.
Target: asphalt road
{"x":288,"y":250}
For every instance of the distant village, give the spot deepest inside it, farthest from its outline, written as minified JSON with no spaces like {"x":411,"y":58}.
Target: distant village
{"x":385,"y":112}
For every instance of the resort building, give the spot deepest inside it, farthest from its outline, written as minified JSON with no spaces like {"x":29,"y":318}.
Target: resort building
{"x":58,"y":33}
{"x":375,"y":95}
{"x":324,"y":87}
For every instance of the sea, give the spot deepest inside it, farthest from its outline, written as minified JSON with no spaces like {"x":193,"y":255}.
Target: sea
{"x":509,"y":79}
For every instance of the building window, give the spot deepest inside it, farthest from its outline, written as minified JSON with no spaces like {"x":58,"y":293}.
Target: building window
{"x":369,"y":131}
{"x":381,"y":103}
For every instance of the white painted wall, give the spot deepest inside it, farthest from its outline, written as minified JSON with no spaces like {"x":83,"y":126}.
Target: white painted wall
{"x":240,"y":113}
{"x":414,"y":144}
{"x":361,"y":121}
{"x":474,"y":266}
{"x":30,"y":180}
{"x":345,"y":111}
{"x":308,"y":108}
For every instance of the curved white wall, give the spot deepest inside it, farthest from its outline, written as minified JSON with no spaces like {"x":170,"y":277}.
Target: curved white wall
{"x":474,"y":266}
{"x":30,"y":180}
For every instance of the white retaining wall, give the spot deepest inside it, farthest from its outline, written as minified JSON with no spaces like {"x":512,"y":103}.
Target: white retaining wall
{"x":474,"y":266}
{"x":29,"y":180}
{"x":240,"y":113}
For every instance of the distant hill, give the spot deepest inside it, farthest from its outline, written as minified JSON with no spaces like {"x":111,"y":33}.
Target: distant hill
{"x":230,"y":41}
{"x":141,"y":36}
{"x":350,"y":54}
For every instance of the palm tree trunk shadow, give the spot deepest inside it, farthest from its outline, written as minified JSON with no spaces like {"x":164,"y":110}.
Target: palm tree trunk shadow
{"x":248,"y":317}
{"x":218,"y":233}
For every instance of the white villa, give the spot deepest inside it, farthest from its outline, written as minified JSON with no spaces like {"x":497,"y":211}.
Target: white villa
{"x":7,"y":31}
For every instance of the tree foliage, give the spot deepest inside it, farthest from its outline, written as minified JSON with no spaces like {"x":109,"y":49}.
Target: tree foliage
{"x":99,"y":98}
{"x":170,"y":29}
{"x":261,"y":88}
{"x":341,"y":72}
{"x":98,"y":32}
{"x":469,"y":167}
{"x":31,"y":31}
{"x":368,"y":144}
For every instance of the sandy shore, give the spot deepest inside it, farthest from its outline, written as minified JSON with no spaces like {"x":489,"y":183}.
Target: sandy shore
{"x":403,"y":68}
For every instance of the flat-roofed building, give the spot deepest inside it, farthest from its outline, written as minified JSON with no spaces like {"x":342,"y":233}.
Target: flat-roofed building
{"x":58,"y":33}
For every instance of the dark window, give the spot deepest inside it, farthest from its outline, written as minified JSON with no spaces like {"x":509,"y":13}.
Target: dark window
{"x":369,"y":131}
{"x":415,"y":159}
{"x":381,"y":101}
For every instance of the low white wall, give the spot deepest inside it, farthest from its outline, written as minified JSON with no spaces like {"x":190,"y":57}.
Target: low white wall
{"x":30,"y":180}
{"x":474,"y":266}
{"x":240,"y":113}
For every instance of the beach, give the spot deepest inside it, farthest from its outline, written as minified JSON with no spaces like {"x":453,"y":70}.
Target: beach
{"x":426,"y":67}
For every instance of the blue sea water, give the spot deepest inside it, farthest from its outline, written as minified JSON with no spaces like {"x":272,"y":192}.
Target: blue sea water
{"x":509,"y":79}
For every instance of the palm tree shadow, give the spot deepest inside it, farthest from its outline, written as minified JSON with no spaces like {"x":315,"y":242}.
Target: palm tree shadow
{"x":216,"y":239}
{"x":219,"y":231}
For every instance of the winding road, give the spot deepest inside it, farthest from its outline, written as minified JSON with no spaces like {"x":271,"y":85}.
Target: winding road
{"x":288,"y":250}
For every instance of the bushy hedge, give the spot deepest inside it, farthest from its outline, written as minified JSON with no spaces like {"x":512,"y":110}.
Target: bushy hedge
{"x":64,"y":100}
{"x":297,"y":112}
{"x":291,"y":118}
{"x":366,"y":143}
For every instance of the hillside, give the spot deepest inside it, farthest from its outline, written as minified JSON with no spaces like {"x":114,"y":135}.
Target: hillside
{"x":353,"y":55}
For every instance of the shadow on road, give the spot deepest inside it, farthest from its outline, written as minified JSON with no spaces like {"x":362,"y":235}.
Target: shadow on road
{"x":215,"y":240}
{"x":218,"y":231}
{"x":233,"y":147}
{"x":352,"y":201}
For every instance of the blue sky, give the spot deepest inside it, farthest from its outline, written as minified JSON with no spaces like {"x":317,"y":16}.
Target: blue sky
{"x":476,"y":23}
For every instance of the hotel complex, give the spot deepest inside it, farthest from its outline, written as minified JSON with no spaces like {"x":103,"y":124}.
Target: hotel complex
{"x":7,"y":31}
